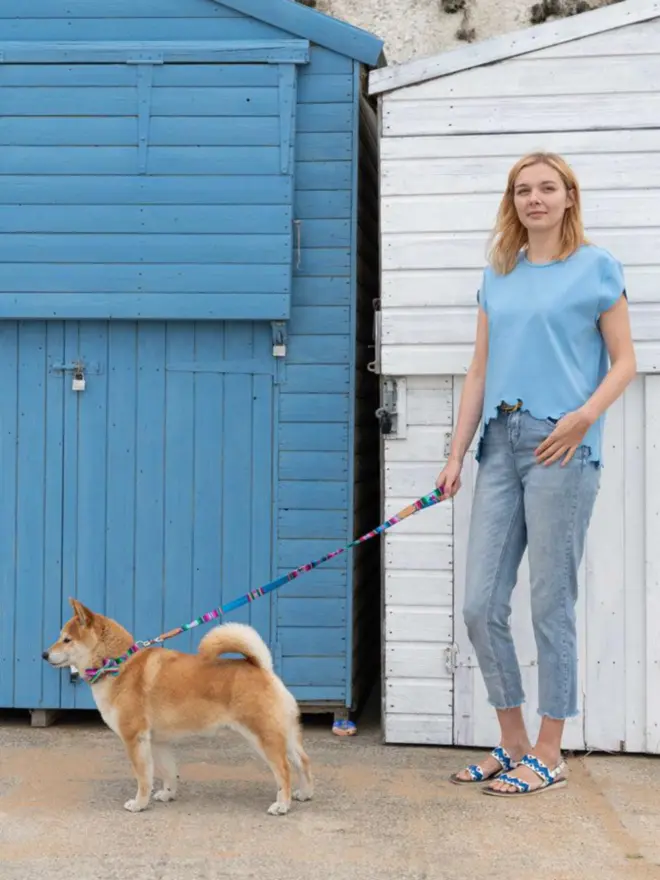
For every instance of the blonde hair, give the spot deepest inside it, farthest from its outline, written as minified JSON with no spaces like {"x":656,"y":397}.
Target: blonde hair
{"x":509,"y":236}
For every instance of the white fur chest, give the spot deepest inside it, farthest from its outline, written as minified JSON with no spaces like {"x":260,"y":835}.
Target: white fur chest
{"x":103,"y":694}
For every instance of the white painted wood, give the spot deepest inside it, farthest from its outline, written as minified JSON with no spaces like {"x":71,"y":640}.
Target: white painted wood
{"x":497,"y":114}
{"x":410,"y":478}
{"x":425,"y":359}
{"x":418,"y":552}
{"x":434,"y":288}
{"x":509,"y":45}
{"x":635,"y":39}
{"x":418,"y":729}
{"x":415,"y":659}
{"x":436,"y":520}
{"x":439,"y":288}
{"x":420,"y":588}
{"x":401,"y":360}
{"x":533,"y":77}
{"x":467,"y":250}
{"x":418,"y":585}
{"x":418,"y":695}
{"x":633,"y":504}
{"x":429,"y":408}
{"x":606,"y":598}
{"x":426,"y":444}
{"x":483,"y":174}
{"x":440,"y":385}
{"x":424,"y":326}
{"x":568,"y":143}
{"x":652,"y":534}
{"x":616,"y":209}
{"x":465,"y":684}
{"x":418,"y":624}
{"x":648,"y":357}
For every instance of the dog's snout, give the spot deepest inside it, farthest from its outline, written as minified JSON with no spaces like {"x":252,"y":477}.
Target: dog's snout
{"x":44,"y":655}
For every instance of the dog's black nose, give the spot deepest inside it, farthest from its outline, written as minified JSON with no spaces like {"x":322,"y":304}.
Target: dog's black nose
{"x":44,"y":654}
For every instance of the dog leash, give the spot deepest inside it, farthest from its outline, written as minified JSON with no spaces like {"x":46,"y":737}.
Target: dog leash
{"x":112,"y":665}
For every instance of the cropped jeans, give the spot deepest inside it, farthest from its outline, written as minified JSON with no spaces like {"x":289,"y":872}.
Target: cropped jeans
{"x":520,"y":504}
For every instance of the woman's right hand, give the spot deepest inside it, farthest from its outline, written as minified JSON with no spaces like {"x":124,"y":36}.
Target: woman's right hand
{"x":449,"y":478}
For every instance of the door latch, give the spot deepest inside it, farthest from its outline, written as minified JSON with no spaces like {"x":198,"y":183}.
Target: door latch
{"x":451,"y":658}
{"x":392,"y":413}
{"x":77,"y":369}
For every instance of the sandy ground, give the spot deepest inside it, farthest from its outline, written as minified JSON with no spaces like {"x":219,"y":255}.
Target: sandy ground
{"x":380,"y":813}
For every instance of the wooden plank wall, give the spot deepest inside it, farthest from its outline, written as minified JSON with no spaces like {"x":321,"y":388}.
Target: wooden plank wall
{"x":312,"y":617}
{"x":313,"y":613}
{"x":418,"y":579}
{"x":446,"y":149}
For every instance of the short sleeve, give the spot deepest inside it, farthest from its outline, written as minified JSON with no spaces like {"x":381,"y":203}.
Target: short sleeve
{"x":612,"y":283}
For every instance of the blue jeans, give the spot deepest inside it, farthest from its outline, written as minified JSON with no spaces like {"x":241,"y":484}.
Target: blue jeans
{"x":520,"y":504}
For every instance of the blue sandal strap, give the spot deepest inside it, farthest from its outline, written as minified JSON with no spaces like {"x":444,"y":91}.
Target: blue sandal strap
{"x":548,"y":777}
{"x":500,"y":754}
{"x":541,"y":769}
{"x":519,"y":784}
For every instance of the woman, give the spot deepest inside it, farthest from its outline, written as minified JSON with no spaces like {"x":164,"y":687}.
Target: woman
{"x":552,"y":308}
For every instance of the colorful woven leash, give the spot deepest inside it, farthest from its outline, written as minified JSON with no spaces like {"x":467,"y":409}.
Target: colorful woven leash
{"x":111,"y":665}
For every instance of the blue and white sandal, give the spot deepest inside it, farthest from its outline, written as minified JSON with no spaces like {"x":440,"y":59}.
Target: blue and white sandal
{"x":549,"y":779}
{"x":477,"y":773}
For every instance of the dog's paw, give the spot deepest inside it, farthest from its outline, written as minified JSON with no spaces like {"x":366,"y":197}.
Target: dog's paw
{"x":300,"y":795}
{"x":165,"y":795}
{"x":135,"y":806}
{"x":278,"y":809}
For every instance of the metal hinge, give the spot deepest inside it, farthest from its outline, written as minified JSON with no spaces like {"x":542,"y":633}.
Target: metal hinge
{"x":451,"y":658}
{"x":392,"y":413}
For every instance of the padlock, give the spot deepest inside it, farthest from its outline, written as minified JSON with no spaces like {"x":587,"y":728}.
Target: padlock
{"x":78,"y":383}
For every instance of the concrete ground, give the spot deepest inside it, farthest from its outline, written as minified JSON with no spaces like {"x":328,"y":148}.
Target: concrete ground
{"x":380,"y":813}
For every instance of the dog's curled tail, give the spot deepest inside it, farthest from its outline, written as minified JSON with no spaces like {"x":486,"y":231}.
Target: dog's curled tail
{"x":236,"y":638}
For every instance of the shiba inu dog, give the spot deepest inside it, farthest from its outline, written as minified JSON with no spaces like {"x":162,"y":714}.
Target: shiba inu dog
{"x":161,"y":696}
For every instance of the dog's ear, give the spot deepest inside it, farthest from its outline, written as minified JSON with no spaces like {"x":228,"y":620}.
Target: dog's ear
{"x":84,"y":615}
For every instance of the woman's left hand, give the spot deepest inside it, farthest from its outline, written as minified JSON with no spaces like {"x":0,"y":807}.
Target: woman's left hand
{"x":565,"y":438}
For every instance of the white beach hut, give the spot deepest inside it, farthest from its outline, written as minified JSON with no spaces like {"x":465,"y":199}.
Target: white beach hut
{"x":451,"y":126}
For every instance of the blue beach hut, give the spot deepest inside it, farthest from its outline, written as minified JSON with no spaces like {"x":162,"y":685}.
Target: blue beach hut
{"x":189,"y":249}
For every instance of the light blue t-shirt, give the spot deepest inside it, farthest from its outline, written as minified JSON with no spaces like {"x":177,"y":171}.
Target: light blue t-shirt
{"x":545,"y":347}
